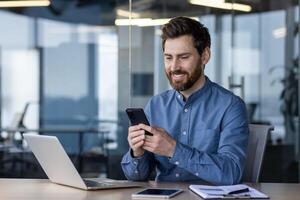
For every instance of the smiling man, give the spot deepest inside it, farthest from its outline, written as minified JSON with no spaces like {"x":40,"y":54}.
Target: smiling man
{"x":200,"y":130}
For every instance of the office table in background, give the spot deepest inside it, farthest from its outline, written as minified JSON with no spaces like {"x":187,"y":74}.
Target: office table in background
{"x":36,"y":189}
{"x":63,"y":130}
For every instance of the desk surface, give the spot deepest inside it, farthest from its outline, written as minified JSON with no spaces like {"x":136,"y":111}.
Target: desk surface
{"x":42,"y":189}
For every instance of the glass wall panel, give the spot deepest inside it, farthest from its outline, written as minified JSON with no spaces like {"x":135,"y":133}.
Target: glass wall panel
{"x":19,"y":64}
{"x":79,"y":78}
{"x":272,"y":70}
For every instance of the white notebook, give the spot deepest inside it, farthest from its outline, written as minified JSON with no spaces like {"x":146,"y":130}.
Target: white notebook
{"x":240,"y":191}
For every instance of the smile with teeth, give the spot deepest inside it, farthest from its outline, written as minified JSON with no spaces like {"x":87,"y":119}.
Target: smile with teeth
{"x":178,"y":76}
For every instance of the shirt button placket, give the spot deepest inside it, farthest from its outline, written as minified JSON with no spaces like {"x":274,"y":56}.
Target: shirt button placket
{"x":185,"y":123}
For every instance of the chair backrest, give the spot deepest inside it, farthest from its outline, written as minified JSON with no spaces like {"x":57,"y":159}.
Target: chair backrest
{"x":258,"y":135}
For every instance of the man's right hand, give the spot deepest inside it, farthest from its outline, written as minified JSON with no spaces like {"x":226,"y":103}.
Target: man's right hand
{"x":136,"y":137}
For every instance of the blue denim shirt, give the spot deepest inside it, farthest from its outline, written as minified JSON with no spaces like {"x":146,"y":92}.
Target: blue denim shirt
{"x":211,"y":131}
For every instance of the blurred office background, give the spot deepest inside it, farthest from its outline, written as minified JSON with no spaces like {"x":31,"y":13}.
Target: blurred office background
{"x":78,"y":64}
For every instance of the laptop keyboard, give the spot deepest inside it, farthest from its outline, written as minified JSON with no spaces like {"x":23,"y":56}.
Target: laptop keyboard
{"x":90,"y":183}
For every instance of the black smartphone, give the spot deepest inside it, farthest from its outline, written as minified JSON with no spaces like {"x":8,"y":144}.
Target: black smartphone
{"x":156,"y":193}
{"x":137,"y":116}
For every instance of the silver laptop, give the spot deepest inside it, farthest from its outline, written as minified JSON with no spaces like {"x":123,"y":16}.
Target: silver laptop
{"x":59,"y":168}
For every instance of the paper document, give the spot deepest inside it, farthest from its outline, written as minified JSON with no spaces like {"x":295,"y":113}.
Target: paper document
{"x":231,"y":191}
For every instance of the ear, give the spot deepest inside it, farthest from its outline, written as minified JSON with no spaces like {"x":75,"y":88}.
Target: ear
{"x":205,"y":55}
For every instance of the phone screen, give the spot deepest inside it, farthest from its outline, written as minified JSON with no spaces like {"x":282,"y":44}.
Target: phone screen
{"x":156,"y":192}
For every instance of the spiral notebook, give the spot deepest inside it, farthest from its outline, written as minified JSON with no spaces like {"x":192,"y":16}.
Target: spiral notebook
{"x":240,"y":191}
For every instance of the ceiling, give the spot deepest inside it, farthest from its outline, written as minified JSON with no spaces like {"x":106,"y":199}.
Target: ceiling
{"x":103,"y":12}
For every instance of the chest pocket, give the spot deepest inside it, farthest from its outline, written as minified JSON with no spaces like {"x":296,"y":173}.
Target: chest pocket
{"x":205,"y":140}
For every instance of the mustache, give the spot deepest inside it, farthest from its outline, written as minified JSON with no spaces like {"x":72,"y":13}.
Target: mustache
{"x":177,"y":72}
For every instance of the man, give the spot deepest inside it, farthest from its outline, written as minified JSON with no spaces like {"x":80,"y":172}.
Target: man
{"x":200,"y":130}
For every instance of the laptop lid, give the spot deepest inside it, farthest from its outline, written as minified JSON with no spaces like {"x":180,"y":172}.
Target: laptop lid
{"x":54,"y":160}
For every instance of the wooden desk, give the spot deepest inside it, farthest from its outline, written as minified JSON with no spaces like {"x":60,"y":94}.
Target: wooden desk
{"x":37,"y":189}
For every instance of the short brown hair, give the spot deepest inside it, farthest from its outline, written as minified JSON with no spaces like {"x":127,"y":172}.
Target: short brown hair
{"x":180,"y":26}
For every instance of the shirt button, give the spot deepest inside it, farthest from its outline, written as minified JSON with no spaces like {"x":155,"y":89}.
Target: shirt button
{"x":184,"y":132}
{"x":196,"y":174}
{"x":178,"y":96}
{"x":177,"y":175}
{"x":176,"y":163}
{"x":135,"y":162}
{"x":185,"y":110}
{"x":136,"y":171}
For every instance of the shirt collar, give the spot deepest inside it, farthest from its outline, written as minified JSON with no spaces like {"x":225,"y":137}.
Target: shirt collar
{"x":195,"y":95}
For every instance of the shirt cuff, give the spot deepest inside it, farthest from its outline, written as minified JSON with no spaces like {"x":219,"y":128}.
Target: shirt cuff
{"x":182,"y":155}
{"x":136,"y":160}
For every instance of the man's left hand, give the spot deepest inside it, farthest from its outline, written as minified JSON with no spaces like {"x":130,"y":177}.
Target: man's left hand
{"x":160,"y":143}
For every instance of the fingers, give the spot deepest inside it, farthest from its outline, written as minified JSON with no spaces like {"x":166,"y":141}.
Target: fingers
{"x":134,"y":128}
{"x":134,"y":134}
{"x":135,"y":137}
{"x":150,"y":139}
{"x":152,"y":146}
{"x":153,"y":130}
{"x":138,"y":140}
{"x":147,"y":128}
{"x":147,"y":148}
{"x":151,"y":142}
{"x":148,"y":145}
{"x":137,"y":145}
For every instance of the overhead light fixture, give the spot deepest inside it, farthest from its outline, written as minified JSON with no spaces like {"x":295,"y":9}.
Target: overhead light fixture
{"x":126,"y":13}
{"x":132,"y":22}
{"x":221,"y":4}
{"x":144,"y":21}
{"x":24,"y":3}
{"x":279,"y":33}
{"x":156,"y":22}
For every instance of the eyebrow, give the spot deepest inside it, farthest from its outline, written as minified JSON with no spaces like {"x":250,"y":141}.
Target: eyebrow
{"x":181,"y":54}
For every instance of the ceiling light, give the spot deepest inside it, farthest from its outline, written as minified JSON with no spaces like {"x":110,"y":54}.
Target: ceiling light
{"x":126,"y":13}
{"x":144,"y":21}
{"x":279,"y":33}
{"x":156,"y":22}
{"x":222,"y":5}
{"x":29,"y":3}
{"x":136,"y":22}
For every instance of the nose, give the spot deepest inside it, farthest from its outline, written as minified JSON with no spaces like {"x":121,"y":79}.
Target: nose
{"x":175,"y":64}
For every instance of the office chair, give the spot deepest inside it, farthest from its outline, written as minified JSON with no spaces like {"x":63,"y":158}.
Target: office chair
{"x":258,"y":135}
{"x":12,"y":153}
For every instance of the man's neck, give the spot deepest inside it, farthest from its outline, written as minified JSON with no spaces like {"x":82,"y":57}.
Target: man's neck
{"x":197,"y":86}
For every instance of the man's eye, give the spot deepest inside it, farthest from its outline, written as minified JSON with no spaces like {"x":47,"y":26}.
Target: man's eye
{"x":168,"y":58}
{"x":184,"y":57}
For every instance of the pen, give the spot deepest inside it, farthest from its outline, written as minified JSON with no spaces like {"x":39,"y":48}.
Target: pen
{"x":236,"y":196}
{"x":239,"y":191}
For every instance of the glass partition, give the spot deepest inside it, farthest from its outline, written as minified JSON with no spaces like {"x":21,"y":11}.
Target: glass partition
{"x":19,"y":64}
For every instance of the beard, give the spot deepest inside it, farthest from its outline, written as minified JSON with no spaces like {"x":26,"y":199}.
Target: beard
{"x":188,"y":82}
